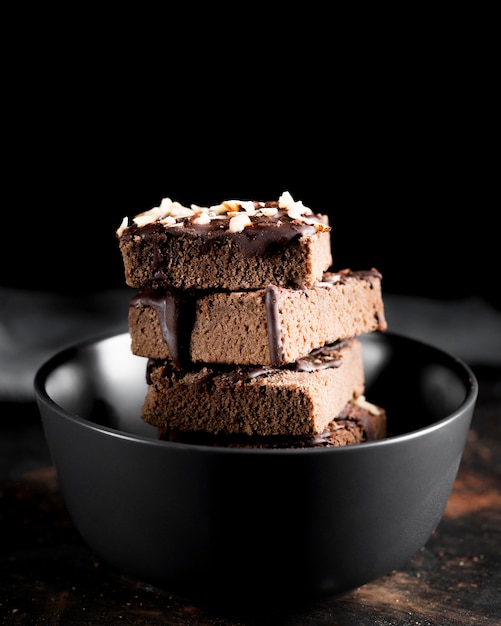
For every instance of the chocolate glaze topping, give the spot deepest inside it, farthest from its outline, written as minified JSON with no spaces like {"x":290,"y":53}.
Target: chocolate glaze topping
{"x":263,"y":236}
{"x":322,"y":358}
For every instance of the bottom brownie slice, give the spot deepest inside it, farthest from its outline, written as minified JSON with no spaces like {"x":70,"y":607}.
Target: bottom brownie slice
{"x":359,"y":421}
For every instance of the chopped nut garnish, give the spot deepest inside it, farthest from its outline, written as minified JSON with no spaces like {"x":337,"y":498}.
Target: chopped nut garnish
{"x":146,"y":218}
{"x":218,"y":209}
{"x":334,"y":278}
{"x":178,"y":210}
{"x":285,"y":200}
{"x":239,"y":222}
{"x":201,"y":217}
{"x":231,"y":206}
{"x":239,"y":212}
{"x":248,"y":207}
{"x":168,"y":221}
{"x":320,"y":227}
{"x":268,"y":211}
{"x":368,"y":406}
{"x":123,"y":226}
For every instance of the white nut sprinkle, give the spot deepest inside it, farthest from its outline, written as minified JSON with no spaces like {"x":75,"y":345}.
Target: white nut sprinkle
{"x":201,"y":217}
{"x":368,"y":406}
{"x":268,"y":211}
{"x":168,"y":213}
{"x":285,"y":200}
{"x":156,"y":212}
{"x":218,"y":209}
{"x":295,"y":212}
{"x":178,"y":210}
{"x":147,"y":218}
{"x":123,"y":226}
{"x":239,"y":222}
{"x":168,"y":221}
{"x":295,"y":208}
{"x":232,"y":205}
{"x":166,"y":204}
{"x":335,"y":278}
{"x":248,"y":207}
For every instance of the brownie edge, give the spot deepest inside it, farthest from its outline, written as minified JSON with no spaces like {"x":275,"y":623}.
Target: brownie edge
{"x":358,"y":422}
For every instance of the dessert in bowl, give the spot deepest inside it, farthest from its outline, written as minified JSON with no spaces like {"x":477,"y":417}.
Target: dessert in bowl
{"x":256,"y":436}
{"x":227,"y":525}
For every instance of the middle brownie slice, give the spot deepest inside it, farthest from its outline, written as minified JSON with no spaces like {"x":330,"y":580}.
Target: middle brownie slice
{"x":268,"y":326}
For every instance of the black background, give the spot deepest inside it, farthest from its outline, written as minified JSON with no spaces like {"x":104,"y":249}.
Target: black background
{"x":418,"y":214}
{"x":397,"y":146}
{"x":387,"y":121}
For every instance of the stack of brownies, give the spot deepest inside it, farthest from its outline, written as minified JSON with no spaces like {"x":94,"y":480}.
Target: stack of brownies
{"x":251,"y":341}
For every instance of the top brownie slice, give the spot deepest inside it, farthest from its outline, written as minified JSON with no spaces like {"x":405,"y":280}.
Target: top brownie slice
{"x":236,"y":245}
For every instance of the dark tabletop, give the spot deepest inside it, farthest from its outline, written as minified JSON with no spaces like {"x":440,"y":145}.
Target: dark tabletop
{"x":49,"y":576}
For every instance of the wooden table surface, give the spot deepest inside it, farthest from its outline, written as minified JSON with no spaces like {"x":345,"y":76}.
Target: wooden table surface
{"x":49,"y":576}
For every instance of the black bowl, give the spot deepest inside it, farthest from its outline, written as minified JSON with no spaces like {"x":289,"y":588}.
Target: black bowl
{"x":228,"y":526}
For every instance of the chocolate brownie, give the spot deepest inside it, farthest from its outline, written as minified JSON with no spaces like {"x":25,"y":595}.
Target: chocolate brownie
{"x":358,"y":422}
{"x":236,"y":245}
{"x":269,"y":326}
{"x":295,"y":400}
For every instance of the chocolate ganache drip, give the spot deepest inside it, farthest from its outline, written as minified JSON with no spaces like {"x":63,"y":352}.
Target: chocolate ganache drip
{"x":176,"y":314}
{"x":175,"y":311}
{"x":273,"y":325}
{"x":321,"y":358}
